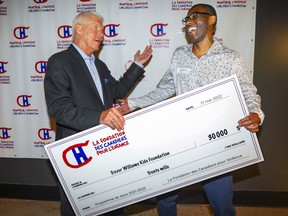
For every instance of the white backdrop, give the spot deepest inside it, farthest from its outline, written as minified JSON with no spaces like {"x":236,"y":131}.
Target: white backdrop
{"x":32,"y":30}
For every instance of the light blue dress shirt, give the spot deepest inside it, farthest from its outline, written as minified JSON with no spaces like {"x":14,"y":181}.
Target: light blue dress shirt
{"x":90,"y":62}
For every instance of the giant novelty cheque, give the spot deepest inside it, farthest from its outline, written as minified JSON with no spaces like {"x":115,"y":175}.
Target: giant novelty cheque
{"x":164,"y":147}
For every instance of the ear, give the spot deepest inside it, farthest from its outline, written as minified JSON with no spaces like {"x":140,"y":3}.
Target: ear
{"x":78,"y":29}
{"x":212,"y":20}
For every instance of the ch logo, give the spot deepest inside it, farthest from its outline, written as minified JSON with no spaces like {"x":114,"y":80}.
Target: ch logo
{"x":79,"y":155}
{"x":64,"y":31}
{"x":4,"y":133}
{"x":44,"y":133}
{"x":84,"y":0}
{"x":157,"y":29}
{"x":20,"y":32}
{"x":23,"y":100}
{"x":40,"y":1}
{"x":2,"y":67}
{"x":41,"y":66}
{"x":110,"y":30}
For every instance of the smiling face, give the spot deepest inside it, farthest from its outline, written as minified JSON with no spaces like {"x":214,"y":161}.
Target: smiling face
{"x":197,"y":26}
{"x":90,"y":34}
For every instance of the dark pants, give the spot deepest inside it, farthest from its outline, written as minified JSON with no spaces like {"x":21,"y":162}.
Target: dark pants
{"x":219,"y":191}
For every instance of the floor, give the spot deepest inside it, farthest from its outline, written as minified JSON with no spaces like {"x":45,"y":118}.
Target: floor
{"x":16,"y":207}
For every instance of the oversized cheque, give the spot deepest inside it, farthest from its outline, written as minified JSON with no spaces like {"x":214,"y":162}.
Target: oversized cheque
{"x":172,"y":144}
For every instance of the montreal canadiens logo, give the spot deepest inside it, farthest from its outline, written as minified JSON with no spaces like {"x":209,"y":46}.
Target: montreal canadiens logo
{"x":75,"y":157}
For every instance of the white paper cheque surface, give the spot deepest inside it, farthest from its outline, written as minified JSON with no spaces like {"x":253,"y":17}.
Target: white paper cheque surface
{"x":172,"y":144}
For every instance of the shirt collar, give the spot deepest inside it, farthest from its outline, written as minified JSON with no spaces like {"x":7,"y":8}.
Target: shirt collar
{"x":84,"y":56}
{"x":216,"y":46}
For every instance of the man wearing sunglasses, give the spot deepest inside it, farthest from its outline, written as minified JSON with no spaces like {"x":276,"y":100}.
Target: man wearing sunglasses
{"x":204,"y":60}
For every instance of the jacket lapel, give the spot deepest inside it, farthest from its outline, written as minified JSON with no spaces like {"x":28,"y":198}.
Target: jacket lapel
{"x":102,"y":80}
{"x":86,"y":71}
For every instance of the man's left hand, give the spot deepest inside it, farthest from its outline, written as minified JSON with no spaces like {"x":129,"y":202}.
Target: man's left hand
{"x":250,"y":122}
{"x":144,"y":56}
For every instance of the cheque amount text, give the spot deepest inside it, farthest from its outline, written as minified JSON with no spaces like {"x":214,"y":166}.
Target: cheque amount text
{"x":218,"y":134}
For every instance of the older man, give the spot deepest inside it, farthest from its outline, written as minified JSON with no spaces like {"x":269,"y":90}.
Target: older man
{"x":79,"y":88}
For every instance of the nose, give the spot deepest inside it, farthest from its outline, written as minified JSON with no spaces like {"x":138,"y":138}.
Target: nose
{"x":101,"y":33}
{"x":188,"y":22}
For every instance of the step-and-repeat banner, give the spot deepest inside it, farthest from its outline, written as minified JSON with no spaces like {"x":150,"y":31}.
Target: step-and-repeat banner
{"x":32,"y":30}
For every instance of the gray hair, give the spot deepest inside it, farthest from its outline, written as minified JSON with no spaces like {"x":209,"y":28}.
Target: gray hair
{"x":81,"y":16}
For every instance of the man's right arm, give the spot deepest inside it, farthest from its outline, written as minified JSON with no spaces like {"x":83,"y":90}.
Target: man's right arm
{"x":164,"y":90}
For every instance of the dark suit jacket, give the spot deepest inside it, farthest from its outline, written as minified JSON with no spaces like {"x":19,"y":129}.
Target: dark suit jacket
{"x":71,"y":95}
